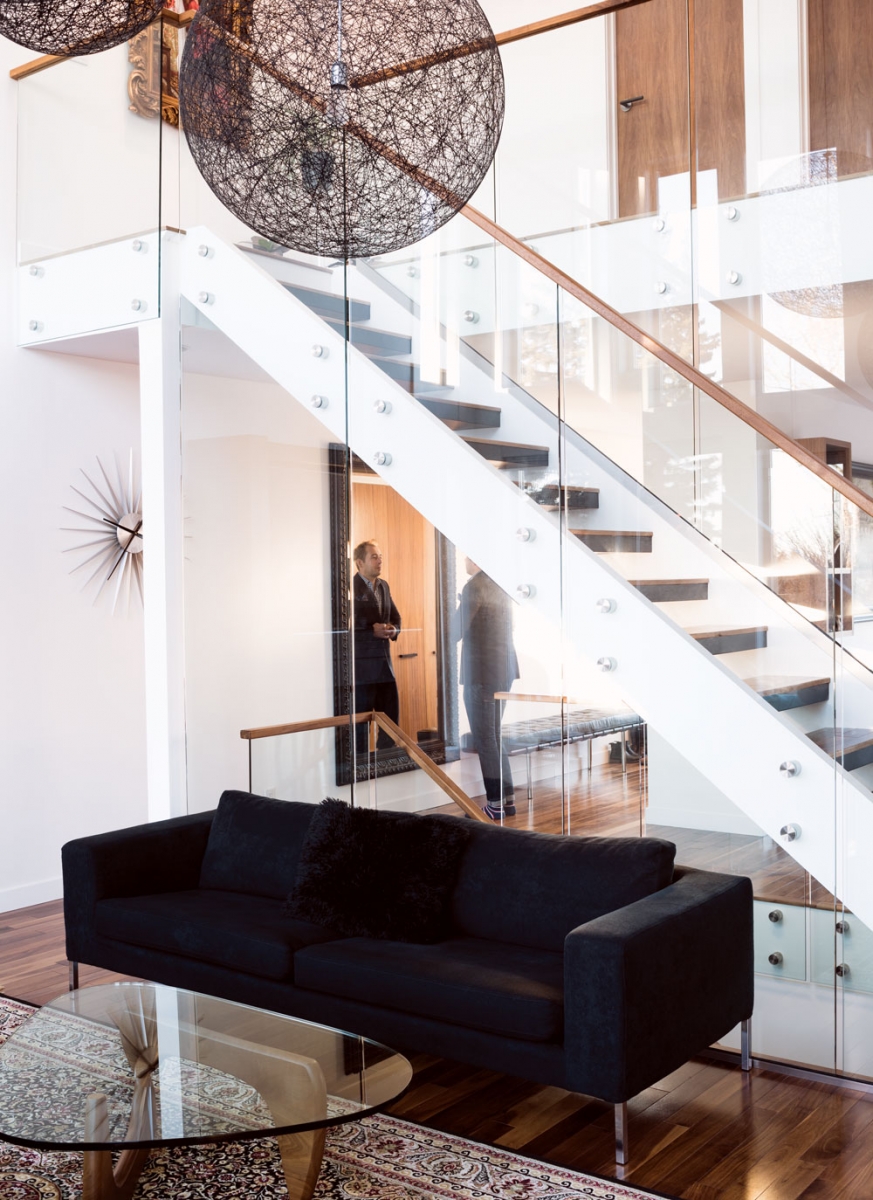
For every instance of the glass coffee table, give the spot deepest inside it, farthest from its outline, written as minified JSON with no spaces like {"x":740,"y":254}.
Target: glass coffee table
{"x":132,"y":1066}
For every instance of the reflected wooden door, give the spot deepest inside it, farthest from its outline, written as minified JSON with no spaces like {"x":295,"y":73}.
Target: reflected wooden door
{"x":408,"y":547}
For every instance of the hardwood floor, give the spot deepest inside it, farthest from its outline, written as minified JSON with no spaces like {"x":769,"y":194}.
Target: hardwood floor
{"x":707,"y":1132}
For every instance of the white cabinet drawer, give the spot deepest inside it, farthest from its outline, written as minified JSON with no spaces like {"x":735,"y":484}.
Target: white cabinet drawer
{"x":850,"y":946}
{"x":780,"y":940}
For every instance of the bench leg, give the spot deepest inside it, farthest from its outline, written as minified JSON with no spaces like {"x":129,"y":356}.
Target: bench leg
{"x":623,"y":756}
{"x":621,"y":1134}
{"x":529,"y":778}
{"x":74,"y":977}
{"x":746,"y":1045}
{"x":590,"y":753}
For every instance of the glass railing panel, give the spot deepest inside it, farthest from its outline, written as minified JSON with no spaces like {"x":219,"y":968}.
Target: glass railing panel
{"x":265,"y":539}
{"x":88,"y":194}
{"x":782,"y":270}
{"x":73,"y":192}
{"x":302,"y":766}
{"x":459,"y":575}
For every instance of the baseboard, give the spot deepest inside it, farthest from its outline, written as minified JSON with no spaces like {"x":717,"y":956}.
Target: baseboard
{"x":29,"y":894}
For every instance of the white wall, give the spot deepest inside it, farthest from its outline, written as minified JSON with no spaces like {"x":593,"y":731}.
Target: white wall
{"x":72,"y":745}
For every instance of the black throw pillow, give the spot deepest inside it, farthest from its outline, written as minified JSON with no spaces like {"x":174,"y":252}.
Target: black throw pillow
{"x":378,"y":874}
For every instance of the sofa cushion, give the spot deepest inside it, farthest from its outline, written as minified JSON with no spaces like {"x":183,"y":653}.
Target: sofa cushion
{"x":533,"y":888}
{"x":254,"y":845}
{"x":247,"y":933}
{"x":502,"y":989}
{"x":379,"y":874}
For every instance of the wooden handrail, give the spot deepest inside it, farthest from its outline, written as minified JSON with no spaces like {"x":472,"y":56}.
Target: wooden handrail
{"x":599,"y":9}
{"x":766,"y":335}
{"x":465,"y":49}
{"x":712,"y":389}
{"x":266,"y":731}
{"x":418,"y":756}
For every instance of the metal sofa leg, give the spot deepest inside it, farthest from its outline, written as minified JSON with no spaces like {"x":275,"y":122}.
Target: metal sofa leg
{"x":74,"y":977}
{"x":621,"y":1134}
{"x":746,"y":1045}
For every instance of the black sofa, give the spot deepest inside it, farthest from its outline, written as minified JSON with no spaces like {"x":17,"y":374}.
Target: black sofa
{"x":586,"y":963}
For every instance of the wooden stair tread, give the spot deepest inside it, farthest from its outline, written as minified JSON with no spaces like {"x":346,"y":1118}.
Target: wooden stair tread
{"x":459,"y":414}
{"x":769,"y":685}
{"x":673,"y":582}
{"x":838,"y":742}
{"x":503,"y":445}
{"x":636,"y":533}
{"x":709,"y":631}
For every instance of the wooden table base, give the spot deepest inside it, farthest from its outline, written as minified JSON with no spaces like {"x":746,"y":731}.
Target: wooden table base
{"x":301,"y":1155}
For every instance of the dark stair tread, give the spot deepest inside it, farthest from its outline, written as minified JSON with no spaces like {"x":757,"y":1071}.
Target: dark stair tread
{"x":408,"y":375}
{"x":328,"y":304}
{"x":720,"y":639}
{"x":663,"y":591}
{"x":510,"y":454}
{"x":374,"y":341}
{"x":784,"y":692}
{"x":853,"y":747}
{"x":768,"y":685}
{"x":549,"y":496}
{"x":457,"y":414}
{"x":615,"y":541}
{"x":705,"y":631}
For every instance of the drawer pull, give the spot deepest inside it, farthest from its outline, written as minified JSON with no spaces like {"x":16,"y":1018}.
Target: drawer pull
{"x":775,"y":915}
{"x":775,"y":959}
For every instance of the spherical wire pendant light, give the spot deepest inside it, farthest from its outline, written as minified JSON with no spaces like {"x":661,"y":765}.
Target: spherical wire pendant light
{"x":75,"y":27}
{"x":346,"y":128}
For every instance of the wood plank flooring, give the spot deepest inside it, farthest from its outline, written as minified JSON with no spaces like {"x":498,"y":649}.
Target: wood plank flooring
{"x":707,"y":1132}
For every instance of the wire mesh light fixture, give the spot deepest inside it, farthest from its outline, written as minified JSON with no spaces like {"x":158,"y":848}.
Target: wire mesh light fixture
{"x":74,"y":27}
{"x":346,"y":128}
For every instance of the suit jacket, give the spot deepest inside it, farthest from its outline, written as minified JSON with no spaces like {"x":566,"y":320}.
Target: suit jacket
{"x":373,"y":607}
{"x":485,"y":624}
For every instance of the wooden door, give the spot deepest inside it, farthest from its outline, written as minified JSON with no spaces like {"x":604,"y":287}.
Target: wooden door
{"x":693,"y":106}
{"x":651,"y":51}
{"x":408,"y":547}
{"x":841,"y":82}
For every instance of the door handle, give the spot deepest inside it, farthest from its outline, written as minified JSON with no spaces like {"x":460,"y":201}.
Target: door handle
{"x":415,"y":655}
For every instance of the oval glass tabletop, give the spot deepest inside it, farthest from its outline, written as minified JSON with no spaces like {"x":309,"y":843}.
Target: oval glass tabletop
{"x":140,"y":1064}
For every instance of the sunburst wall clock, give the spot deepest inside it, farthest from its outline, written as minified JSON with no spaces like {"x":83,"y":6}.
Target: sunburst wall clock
{"x":113,"y":534}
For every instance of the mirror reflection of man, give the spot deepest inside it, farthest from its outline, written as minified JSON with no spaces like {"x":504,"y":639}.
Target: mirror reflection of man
{"x":376,"y":624}
{"x":488,"y":665}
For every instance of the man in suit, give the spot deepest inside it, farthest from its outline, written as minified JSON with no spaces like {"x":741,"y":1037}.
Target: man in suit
{"x":488,"y":665}
{"x":376,"y":624}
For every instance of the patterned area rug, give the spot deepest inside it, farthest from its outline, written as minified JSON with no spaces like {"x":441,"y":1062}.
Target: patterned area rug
{"x":377,"y":1158}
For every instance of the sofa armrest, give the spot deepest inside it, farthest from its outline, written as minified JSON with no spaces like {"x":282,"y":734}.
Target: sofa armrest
{"x":652,"y":984}
{"x":164,"y":856}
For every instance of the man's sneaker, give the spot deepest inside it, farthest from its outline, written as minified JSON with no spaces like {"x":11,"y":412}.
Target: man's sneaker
{"x":495,"y":812}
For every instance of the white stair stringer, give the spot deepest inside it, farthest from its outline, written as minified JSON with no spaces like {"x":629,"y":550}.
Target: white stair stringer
{"x":717,"y":723}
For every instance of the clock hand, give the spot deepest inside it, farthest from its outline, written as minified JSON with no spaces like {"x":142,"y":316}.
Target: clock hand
{"x":124,"y":549}
{"x":125,"y":528}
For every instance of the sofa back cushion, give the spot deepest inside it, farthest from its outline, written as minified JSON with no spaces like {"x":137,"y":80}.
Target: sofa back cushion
{"x":254,"y":845}
{"x":533,"y":888}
